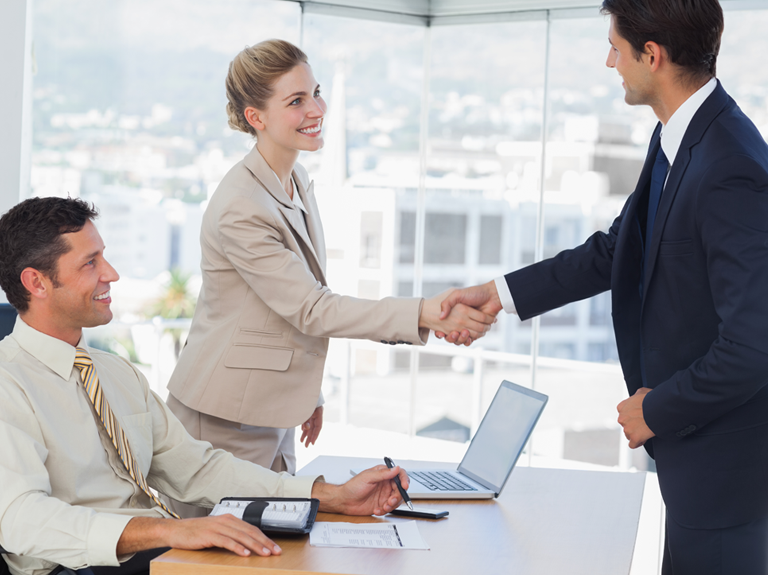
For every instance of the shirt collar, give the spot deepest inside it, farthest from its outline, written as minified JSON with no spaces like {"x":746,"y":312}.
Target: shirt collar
{"x":54,"y":353}
{"x":296,"y":197}
{"x":674,"y":130}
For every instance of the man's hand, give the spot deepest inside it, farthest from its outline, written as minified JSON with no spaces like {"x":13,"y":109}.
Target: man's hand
{"x":469,"y":323}
{"x":484,"y":298}
{"x":225,"y":531}
{"x":310,"y":429}
{"x":632,"y":420}
{"x":372,"y":492}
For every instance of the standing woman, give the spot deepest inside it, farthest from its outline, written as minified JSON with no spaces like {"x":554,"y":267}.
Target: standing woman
{"x":252,"y":367}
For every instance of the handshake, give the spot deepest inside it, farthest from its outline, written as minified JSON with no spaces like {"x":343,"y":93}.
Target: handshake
{"x":462,"y":315}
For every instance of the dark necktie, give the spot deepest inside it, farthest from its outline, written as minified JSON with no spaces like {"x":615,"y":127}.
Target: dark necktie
{"x":658,"y":177}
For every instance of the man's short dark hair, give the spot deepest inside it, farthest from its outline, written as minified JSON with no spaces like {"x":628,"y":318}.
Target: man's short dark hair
{"x":31,"y":236}
{"x":689,"y":30}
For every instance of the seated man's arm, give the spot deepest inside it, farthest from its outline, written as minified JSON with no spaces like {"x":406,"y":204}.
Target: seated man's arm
{"x":32,"y":522}
{"x":371,"y":492}
{"x":194,"y":472}
{"x":225,"y":531}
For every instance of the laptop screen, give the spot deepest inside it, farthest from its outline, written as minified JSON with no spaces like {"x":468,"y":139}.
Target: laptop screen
{"x":502,"y":434}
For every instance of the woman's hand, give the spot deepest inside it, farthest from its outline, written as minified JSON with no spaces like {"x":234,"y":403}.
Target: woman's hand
{"x":310,"y":429}
{"x":471,"y":323}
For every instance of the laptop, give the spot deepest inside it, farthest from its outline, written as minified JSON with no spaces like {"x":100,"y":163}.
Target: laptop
{"x":491,"y":455}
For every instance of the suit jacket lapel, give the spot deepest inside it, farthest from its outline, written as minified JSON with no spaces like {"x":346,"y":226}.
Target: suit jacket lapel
{"x":696,"y":129}
{"x":258,"y":166}
{"x":629,"y":269}
{"x":676,"y":173}
{"x":314,"y":225}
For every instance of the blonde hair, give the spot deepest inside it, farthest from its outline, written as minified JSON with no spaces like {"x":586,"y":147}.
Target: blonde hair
{"x":253,"y":73}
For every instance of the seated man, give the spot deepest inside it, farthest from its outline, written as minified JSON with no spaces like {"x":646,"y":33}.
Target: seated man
{"x":83,"y":438}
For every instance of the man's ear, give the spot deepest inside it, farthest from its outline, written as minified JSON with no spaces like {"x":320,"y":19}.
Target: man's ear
{"x":254,"y":117}
{"x":654,"y":54}
{"x":37,"y":284}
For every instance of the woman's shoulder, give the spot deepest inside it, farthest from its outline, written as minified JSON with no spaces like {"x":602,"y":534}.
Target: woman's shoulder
{"x":242,"y":179}
{"x":240,"y":192}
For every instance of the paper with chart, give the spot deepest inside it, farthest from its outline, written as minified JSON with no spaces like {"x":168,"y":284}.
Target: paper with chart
{"x":367,"y":535}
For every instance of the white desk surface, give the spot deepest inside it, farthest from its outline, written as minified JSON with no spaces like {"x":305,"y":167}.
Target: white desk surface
{"x":546,"y":521}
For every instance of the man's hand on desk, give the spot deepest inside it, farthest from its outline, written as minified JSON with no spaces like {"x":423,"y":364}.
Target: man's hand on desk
{"x":225,"y":531}
{"x":371,"y":492}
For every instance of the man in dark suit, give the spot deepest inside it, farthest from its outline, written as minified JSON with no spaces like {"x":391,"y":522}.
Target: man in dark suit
{"x":687,"y":265}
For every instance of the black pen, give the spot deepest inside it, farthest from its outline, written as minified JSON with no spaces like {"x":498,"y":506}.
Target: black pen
{"x":407,"y":499}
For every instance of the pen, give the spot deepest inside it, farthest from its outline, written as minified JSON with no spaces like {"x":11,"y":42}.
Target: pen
{"x":407,"y":499}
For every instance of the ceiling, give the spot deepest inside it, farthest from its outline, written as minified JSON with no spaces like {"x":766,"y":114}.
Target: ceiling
{"x":437,"y":12}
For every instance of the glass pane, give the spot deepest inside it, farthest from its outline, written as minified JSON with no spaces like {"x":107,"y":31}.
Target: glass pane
{"x":746,"y":82}
{"x":371,"y":75}
{"x":596,"y":146}
{"x":595,"y":150}
{"x":129,"y":113}
{"x":485,"y":121}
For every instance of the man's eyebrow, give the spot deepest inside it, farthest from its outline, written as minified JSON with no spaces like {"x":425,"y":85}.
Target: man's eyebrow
{"x":90,"y":256}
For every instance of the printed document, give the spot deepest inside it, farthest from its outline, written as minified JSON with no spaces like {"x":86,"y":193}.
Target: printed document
{"x":367,"y":535}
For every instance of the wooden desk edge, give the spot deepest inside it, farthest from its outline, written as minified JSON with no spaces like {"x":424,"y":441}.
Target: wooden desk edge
{"x":181,"y":562}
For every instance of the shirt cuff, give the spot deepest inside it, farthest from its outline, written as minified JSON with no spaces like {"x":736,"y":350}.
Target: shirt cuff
{"x":299,"y":486}
{"x":103,"y":535}
{"x":320,"y":400}
{"x":505,"y":296}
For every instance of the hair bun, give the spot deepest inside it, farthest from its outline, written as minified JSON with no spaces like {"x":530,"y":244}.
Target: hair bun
{"x":237,"y":121}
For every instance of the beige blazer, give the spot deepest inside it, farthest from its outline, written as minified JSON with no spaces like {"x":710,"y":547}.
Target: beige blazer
{"x":259,"y":336}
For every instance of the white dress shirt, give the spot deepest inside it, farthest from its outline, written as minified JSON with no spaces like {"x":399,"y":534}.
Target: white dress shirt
{"x":66,"y":496}
{"x":296,"y":197}
{"x":671,"y":137}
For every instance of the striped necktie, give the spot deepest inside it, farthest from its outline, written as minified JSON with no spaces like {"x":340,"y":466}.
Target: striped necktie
{"x":90,"y":378}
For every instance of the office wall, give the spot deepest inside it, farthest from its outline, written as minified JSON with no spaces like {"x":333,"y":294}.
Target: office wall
{"x":16,"y":67}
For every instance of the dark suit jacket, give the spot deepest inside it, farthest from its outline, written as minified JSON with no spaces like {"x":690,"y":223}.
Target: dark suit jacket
{"x":700,"y":329}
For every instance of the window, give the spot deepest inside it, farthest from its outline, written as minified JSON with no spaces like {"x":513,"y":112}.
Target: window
{"x":129,"y":113}
{"x":371,"y":229}
{"x":446,"y":239}
{"x":491,"y":239}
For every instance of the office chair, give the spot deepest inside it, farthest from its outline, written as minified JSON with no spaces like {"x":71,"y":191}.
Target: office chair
{"x":7,"y":319}
{"x":3,"y":565}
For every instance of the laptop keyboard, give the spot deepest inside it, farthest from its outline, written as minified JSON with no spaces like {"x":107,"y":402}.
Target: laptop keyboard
{"x":440,"y":481}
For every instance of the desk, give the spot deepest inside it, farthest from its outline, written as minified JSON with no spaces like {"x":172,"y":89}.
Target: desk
{"x":547,"y":521}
